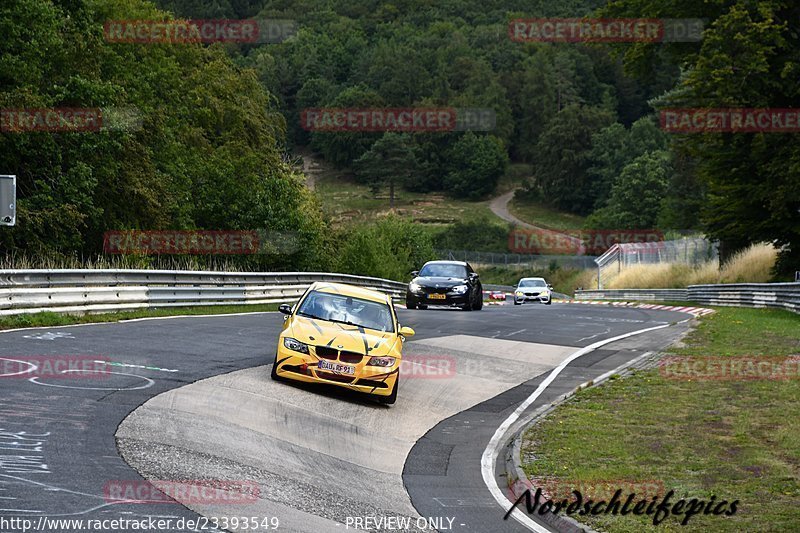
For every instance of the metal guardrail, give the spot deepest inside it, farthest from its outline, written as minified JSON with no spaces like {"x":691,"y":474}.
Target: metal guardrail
{"x":33,"y":291}
{"x":777,"y":295}
{"x":654,"y":295}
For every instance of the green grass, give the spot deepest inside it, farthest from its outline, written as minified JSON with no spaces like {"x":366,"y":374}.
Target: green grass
{"x":46,"y":319}
{"x":732,"y":439}
{"x":541,"y":215}
{"x":346,"y":201}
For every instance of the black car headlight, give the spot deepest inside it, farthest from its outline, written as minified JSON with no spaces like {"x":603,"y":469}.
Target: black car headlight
{"x":459,"y":289}
{"x":415,"y":288}
{"x":295,"y":345}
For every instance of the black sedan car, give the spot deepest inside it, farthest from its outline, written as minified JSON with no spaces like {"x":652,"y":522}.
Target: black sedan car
{"x":450,"y":283}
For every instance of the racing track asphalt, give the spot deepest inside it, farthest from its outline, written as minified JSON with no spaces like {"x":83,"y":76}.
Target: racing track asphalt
{"x":420,"y":457}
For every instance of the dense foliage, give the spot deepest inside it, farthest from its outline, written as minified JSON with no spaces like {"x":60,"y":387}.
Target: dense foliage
{"x":206,"y":154}
{"x":217,"y":119}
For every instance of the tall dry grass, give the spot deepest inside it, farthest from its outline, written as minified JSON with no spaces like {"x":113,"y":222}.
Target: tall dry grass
{"x":222,"y":264}
{"x":751,"y":265}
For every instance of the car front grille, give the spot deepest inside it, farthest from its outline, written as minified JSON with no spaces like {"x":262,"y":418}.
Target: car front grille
{"x":332,"y":354}
{"x":350,"y":357}
{"x":326,"y":352}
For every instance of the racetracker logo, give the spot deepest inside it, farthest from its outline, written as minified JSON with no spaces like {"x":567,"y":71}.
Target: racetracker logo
{"x":578,"y":242}
{"x":734,"y":368}
{"x":575,"y":30}
{"x":738,"y":120}
{"x":69,"y":120}
{"x":181,"y":242}
{"x":203,"y":491}
{"x":428,"y":366}
{"x":199,"y":31}
{"x":404,"y":120}
{"x":54,"y":367}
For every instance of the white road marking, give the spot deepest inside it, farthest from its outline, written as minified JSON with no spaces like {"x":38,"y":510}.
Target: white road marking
{"x":490,"y":454}
{"x":31,"y":369}
{"x":49,"y":336}
{"x":149,"y":382}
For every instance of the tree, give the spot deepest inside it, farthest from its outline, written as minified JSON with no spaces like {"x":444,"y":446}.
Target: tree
{"x":749,"y":58}
{"x":636,"y":196}
{"x":343,"y":147}
{"x":390,"y":161}
{"x":561,"y":168}
{"x":476,"y":163}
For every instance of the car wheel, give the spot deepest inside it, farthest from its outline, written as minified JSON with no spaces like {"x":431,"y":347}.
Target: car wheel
{"x":409,"y":305}
{"x":548,"y":302}
{"x":517,"y":302}
{"x":274,"y":372}
{"x":389,"y":400}
{"x":423,"y":307}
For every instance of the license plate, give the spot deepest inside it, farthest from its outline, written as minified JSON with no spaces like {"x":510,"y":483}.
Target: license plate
{"x":437,"y":296}
{"x":336,"y":367}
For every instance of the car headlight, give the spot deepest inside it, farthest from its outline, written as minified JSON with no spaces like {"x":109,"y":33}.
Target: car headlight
{"x":460,"y":289}
{"x":381,"y":361}
{"x":295,"y":345}
{"x":519,"y":293}
{"x":414,"y":287}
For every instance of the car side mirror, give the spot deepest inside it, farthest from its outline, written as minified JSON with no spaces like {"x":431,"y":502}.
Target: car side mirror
{"x":406,"y":331}
{"x":286,"y":309}
{"x":415,"y":273}
{"x":549,"y":286}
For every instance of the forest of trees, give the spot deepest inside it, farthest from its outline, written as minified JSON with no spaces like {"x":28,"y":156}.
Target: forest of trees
{"x":219,"y":120}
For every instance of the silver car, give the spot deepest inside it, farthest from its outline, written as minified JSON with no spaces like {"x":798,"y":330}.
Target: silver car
{"x":533,"y":290}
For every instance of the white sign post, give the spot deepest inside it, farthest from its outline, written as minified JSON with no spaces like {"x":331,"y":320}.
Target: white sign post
{"x":8,"y":200}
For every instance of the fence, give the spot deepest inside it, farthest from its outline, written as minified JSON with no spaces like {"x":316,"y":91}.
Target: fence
{"x":33,"y":291}
{"x":689,"y":250}
{"x":777,"y":295}
{"x":532,"y":261}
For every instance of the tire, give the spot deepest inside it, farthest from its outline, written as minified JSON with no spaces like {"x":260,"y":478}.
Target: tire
{"x":423,"y":307}
{"x":516,"y":302}
{"x":274,"y":374}
{"x":409,"y":305}
{"x":549,"y":301}
{"x":389,"y":400}
{"x":478,"y":305}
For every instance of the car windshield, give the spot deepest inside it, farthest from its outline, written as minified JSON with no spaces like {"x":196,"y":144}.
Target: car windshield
{"x":532,"y":283}
{"x":347,"y":310}
{"x":444,"y":270}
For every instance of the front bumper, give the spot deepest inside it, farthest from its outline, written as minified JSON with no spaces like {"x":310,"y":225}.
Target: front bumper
{"x":449,"y":299}
{"x":537,"y":297}
{"x":298,"y":366}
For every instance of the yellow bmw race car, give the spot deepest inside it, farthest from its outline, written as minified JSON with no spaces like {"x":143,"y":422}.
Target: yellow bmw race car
{"x":342,"y":335}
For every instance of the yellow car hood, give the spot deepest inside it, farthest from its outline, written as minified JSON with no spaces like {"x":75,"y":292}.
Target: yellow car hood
{"x":350,"y":338}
